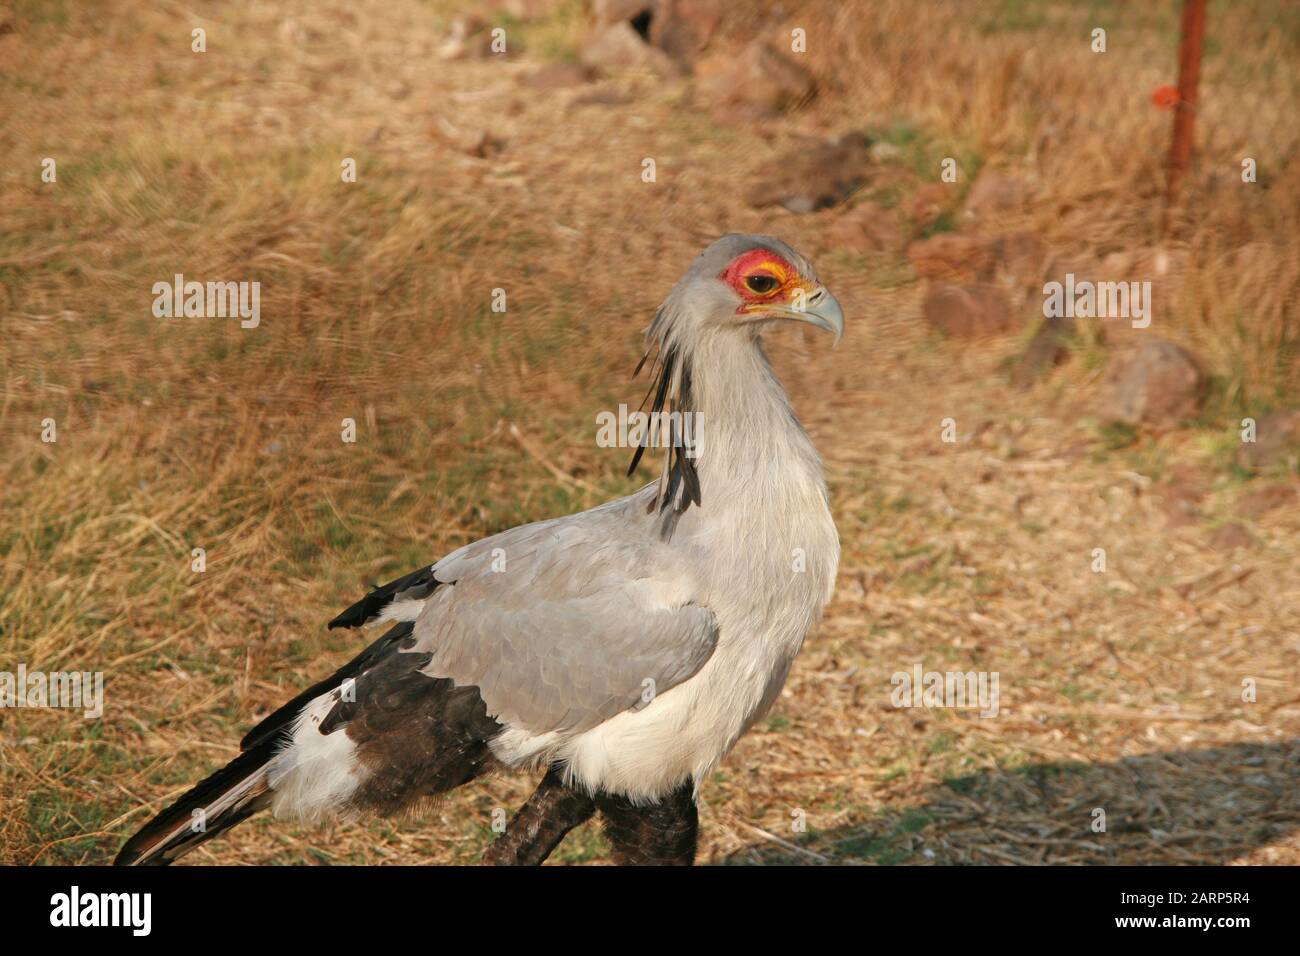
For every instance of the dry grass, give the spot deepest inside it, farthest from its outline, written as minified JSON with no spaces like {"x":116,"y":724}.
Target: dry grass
{"x":1119,"y":690}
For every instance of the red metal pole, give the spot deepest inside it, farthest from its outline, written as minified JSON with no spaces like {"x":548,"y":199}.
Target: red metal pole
{"x":1189,"y":76}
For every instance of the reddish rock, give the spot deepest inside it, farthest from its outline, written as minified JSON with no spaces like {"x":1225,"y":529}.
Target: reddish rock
{"x":811,"y":178}
{"x":867,"y":229}
{"x":682,"y":28}
{"x":929,"y":202}
{"x":1263,"y":500}
{"x":1160,"y":385}
{"x":967,"y":311}
{"x":758,"y":82}
{"x":620,"y":47}
{"x":1015,"y":260}
{"x":1230,"y":537}
{"x":1277,"y":439}
{"x":953,"y":257}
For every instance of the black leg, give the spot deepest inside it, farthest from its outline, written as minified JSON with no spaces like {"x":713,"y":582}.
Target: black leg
{"x":661,"y":834}
{"x":540,"y":824}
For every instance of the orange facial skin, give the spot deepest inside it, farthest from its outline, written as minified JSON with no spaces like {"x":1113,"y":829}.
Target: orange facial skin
{"x":750,"y":275}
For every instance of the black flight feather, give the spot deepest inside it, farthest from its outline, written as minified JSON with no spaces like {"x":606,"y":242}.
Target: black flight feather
{"x":277,"y":724}
{"x":418,"y":584}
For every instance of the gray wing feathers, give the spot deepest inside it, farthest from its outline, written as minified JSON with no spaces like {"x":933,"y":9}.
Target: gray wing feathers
{"x":565,"y":623}
{"x":569,"y":665}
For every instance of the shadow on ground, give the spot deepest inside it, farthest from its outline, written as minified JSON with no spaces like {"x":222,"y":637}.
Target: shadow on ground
{"x":1194,"y":807}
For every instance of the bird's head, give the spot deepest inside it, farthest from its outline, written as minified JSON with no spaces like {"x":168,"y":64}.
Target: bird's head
{"x":744,"y":283}
{"x":738,"y":286}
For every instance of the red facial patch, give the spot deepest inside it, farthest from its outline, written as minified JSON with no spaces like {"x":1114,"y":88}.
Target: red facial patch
{"x":761,"y":276}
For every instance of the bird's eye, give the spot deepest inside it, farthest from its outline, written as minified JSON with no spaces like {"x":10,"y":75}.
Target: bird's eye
{"x":761,"y":284}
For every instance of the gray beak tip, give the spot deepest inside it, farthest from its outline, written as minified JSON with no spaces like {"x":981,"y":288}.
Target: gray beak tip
{"x":827,"y":313}
{"x":821,"y":309}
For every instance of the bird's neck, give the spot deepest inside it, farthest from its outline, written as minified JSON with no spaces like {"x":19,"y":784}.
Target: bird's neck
{"x":764,"y":508}
{"x":750,"y":442}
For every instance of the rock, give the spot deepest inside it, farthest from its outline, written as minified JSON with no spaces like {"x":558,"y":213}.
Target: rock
{"x":621,"y":47}
{"x":1014,"y":260}
{"x":1277,"y":439}
{"x":868,"y":228}
{"x":679,"y":28}
{"x":1231,"y":536}
{"x":967,"y":311}
{"x":1049,"y":347}
{"x":953,"y":257}
{"x":757,"y":83}
{"x":682,"y":28}
{"x":1160,"y":385}
{"x":995,"y":191}
{"x":811,"y":178}
{"x":558,"y":76}
{"x":929,"y":202}
{"x":606,"y":13}
{"x":1263,"y":500}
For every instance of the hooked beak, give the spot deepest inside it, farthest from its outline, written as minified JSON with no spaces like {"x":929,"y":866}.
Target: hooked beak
{"x":818,"y":308}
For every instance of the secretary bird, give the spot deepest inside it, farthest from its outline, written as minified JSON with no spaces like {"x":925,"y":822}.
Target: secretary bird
{"x":623,"y":649}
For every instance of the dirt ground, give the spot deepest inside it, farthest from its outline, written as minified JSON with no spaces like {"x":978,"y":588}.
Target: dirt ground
{"x":1120,"y":690}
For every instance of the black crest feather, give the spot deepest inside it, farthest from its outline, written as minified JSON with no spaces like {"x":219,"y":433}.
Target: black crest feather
{"x":670,"y":386}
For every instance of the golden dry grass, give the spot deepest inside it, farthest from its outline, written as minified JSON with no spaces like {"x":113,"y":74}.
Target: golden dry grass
{"x":1119,"y":690}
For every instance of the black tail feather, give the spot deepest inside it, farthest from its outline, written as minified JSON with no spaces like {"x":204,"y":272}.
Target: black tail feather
{"x":178,"y":829}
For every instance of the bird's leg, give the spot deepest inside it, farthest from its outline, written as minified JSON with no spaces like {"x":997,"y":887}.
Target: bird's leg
{"x":540,"y":824}
{"x":661,"y":834}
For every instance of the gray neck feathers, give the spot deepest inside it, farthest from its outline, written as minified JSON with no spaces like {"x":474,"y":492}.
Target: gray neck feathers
{"x":727,"y":421}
